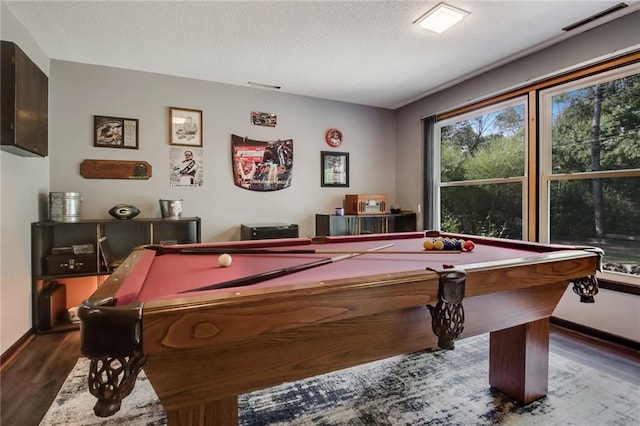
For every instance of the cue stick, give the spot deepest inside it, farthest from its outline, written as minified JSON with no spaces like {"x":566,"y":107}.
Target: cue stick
{"x":234,"y":250}
{"x":263,"y":276}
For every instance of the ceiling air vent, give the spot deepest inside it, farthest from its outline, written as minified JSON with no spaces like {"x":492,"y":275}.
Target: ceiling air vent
{"x":595,"y":17}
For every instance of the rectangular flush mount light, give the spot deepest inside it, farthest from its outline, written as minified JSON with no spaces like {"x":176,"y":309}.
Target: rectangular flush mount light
{"x":441,"y":18}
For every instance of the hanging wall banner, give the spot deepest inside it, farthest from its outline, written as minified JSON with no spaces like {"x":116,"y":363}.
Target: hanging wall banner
{"x":261,"y":166}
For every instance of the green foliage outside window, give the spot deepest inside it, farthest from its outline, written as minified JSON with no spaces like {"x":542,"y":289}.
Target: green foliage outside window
{"x":594,"y":129}
{"x":489,"y":146}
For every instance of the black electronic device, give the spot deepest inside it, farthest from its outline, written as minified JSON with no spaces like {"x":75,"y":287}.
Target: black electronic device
{"x":267,"y":231}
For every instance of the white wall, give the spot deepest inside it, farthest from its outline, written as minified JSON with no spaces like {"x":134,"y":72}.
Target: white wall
{"x":611,"y":313}
{"x":79,"y":91}
{"x":23,"y":182}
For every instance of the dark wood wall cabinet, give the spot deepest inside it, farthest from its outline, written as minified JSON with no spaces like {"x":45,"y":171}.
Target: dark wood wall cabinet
{"x":329,"y":224}
{"x":69,"y":260}
{"x":24,"y":119}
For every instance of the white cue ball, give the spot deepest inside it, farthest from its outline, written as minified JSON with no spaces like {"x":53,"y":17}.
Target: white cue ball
{"x":224,"y":260}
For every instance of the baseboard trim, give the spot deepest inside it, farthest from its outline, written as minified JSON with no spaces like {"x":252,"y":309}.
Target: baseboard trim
{"x":619,"y":287}
{"x":598,"y":334}
{"x":10,"y":354}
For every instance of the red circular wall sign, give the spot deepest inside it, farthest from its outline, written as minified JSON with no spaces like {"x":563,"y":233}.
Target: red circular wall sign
{"x":333,"y":137}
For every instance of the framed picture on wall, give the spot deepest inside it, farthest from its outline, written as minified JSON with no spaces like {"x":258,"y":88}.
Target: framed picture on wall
{"x":264,"y":119}
{"x":334,"y":168}
{"x":185,"y":126}
{"x":115,"y":132}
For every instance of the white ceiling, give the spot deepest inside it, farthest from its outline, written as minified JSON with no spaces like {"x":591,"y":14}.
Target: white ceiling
{"x":364,"y":52}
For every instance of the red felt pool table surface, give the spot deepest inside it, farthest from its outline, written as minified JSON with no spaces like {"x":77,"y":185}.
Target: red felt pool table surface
{"x":166,"y":275}
{"x":202,"y":349}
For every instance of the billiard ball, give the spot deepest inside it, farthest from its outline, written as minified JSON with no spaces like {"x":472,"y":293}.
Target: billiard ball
{"x":468,"y":245}
{"x":428,"y":244}
{"x":224,"y":260}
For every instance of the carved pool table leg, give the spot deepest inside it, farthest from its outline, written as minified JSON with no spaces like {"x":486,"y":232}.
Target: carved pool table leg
{"x":519,"y":360}
{"x":111,"y":379}
{"x":222,"y":412}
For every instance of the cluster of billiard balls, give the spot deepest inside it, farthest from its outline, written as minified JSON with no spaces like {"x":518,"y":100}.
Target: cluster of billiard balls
{"x":441,"y":243}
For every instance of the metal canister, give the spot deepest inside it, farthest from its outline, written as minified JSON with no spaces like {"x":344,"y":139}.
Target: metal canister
{"x":64,"y":206}
{"x":171,"y":209}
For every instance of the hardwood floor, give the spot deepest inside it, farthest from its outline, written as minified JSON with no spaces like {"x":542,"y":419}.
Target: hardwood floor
{"x":30,"y":383}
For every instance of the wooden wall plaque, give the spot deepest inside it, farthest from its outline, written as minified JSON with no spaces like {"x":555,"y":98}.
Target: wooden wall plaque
{"x":115,"y":169}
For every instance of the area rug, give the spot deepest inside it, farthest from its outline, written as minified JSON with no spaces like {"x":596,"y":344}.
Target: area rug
{"x":424,"y":388}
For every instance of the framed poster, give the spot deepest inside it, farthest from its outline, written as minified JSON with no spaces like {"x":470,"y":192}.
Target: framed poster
{"x":185,"y":126}
{"x":334,"y":167}
{"x":115,"y":132}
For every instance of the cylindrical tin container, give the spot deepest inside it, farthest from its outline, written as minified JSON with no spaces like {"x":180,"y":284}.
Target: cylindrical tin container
{"x":171,"y":209}
{"x":64,"y":206}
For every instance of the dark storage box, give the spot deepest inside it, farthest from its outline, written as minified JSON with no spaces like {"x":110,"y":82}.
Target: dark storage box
{"x":52,"y":306}
{"x":71,"y":263}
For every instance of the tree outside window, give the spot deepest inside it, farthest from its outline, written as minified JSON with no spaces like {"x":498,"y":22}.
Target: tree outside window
{"x":481,"y":183}
{"x":585,"y":189}
{"x":591,"y":167}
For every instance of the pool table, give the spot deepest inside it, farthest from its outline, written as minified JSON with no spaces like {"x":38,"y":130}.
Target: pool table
{"x":361,"y":298}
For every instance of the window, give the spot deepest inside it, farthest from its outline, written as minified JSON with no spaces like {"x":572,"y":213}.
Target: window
{"x":480,"y":174}
{"x":568,"y":173}
{"x":590,"y":166}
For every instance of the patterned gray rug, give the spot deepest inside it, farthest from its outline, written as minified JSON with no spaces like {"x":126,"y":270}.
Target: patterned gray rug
{"x":438,"y":388}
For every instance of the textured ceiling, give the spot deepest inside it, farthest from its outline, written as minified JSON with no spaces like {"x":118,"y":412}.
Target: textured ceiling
{"x":364,"y":52}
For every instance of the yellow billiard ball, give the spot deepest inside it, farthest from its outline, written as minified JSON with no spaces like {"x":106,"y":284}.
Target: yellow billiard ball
{"x":428,"y":244}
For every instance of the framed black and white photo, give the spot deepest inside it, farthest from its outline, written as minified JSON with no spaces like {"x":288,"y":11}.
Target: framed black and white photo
{"x":115,"y":132}
{"x":185,"y":126}
{"x":334,"y":167}
{"x":186,"y":167}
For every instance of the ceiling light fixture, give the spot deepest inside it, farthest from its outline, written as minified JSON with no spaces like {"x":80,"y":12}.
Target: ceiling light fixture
{"x":441,"y":18}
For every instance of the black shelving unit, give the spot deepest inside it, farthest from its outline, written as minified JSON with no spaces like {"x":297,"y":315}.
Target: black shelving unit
{"x":117,"y":238}
{"x":329,"y":224}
